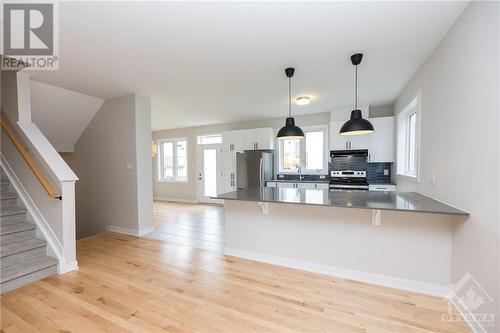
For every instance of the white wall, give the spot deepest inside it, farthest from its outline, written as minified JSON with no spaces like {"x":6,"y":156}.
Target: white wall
{"x":61,"y":114}
{"x":111,"y":161}
{"x":144,"y":165}
{"x":409,"y":250}
{"x":460,"y":146}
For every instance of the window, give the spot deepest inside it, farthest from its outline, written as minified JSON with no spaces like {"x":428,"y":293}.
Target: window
{"x":291,"y":155}
{"x":172,"y":160}
{"x":209,"y":139}
{"x":409,"y":140}
{"x":309,"y":155}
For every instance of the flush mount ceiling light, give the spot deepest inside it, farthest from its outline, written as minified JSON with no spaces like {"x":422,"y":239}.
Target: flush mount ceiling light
{"x":302,"y":100}
{"x":357,"y":125}
{"x":290,"y":131}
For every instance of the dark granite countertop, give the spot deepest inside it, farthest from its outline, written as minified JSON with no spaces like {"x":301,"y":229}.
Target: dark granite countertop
{"x":397,"y":201}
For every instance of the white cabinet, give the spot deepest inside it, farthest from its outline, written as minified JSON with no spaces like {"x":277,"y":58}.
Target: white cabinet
{"x":263,"y":138}
{"x":382,"y":187}
{"x":345,"y":142}
{"x":249,"y":139}
{"x":236,"y":141}
{"x":229,"y":170}
{"x":286,"y":184}
{"x":381,"y":143}
{"x":306,"y":185}
{"x":322,"y":186}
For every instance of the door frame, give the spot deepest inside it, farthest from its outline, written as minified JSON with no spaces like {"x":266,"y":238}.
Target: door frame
{"x":200,"y":176}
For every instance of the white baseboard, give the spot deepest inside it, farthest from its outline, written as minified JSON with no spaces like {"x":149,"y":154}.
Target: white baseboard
{"x":130,"y":232}
{"x":376,"y":279}
{"x":172,"y":199}
{"x":474,"y":325}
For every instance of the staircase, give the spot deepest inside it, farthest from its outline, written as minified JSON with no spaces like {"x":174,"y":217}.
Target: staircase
{"x":23,"y":257}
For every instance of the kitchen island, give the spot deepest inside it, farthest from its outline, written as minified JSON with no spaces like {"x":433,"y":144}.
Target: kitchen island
{"x":401,"y":240}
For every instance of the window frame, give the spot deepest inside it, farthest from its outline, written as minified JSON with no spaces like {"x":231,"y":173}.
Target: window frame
{"x":403,"y":139}
{"x":302,"y":153}
{"x":175,"y":178}
{"x":199,"y":139}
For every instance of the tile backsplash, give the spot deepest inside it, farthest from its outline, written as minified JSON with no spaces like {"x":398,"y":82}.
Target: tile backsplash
{"x":375,"y":172}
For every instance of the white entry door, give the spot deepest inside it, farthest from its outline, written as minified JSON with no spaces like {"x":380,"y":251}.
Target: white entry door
{"x":209,"y":172}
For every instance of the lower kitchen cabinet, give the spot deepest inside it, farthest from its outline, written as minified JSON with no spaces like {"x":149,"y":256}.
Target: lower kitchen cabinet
{"x":382,"y":187}
{"x":305,"y":185}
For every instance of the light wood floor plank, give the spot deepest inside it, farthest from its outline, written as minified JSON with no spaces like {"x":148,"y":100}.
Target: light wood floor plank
{"x":127,"y":284}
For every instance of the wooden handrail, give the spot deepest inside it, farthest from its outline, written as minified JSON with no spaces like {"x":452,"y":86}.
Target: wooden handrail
{"x":11,"y":133}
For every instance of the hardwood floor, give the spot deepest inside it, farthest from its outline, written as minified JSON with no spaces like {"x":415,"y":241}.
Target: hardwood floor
{"x":200,"y":226}
{"x":128,"y":284}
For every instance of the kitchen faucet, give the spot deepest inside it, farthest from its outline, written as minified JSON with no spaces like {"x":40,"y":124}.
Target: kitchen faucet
{"x":301,"y":176}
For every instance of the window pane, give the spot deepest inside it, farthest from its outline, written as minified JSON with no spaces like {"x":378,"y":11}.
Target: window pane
{"x":411,"y":166}
{"x":209,"y":139}
{"x":168,"y":159}
{"x":291,"y":155}
{"x":314,"y":150}
{"x":181,"y":160}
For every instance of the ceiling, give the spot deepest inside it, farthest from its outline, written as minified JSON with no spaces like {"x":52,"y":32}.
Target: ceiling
{"x":213,"y":62}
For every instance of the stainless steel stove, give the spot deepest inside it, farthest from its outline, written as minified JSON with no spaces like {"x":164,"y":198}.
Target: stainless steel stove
{"x":348,"y":180}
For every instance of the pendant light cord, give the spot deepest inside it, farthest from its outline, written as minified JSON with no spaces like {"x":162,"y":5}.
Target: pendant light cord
{"x":289,"y":97}
{"x":356,"y":90}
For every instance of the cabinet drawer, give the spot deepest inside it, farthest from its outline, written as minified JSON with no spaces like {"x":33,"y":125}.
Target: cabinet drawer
{"x":322,"y":186}
{"x":382,"y":187}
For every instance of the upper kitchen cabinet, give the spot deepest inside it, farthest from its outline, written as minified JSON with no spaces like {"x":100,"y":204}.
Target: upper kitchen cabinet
{"x":381,"y":142}
{"x":343,"y":142}
{"x":250,"y":139}
{"x":263,"y":138}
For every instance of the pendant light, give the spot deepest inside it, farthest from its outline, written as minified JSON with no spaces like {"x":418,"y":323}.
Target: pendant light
{"x":290,"y":131}
{"x":357,"y":125}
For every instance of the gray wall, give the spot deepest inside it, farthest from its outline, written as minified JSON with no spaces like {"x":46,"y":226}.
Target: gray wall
{"x":460,"y":143}
{"x":108,"y":193}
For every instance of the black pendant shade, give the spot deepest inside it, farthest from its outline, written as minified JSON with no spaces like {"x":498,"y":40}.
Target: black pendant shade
{"x":290,"y":131}
{"x":357,"y":125}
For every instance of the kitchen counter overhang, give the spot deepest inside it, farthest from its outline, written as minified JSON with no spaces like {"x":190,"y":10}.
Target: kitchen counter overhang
{"x":392,"y":201}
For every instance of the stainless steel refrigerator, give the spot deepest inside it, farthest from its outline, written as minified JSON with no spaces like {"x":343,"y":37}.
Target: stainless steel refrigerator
{"x":254,"y":168}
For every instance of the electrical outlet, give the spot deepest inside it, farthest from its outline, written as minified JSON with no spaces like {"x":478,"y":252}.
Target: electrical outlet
{"x":322,"y":177}
{"x":433,"y":179}
{"x":386,"y":172}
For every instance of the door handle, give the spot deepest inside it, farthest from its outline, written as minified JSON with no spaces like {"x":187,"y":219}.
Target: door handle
{"x":261,"y":176}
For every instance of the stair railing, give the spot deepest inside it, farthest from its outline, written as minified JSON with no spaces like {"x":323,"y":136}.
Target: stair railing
{"x":11,"y":133}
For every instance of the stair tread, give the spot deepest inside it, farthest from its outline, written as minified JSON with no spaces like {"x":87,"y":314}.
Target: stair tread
{"x":4,"y":195}
{"x":15,"y":227}
{"x":27,"y":267}
{"x":10,"y":249}
{"x":7,"y":211}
